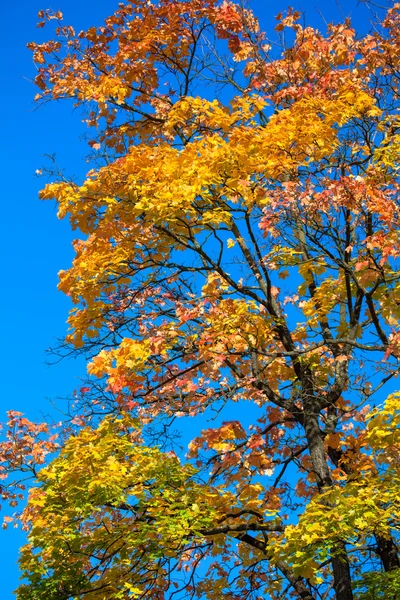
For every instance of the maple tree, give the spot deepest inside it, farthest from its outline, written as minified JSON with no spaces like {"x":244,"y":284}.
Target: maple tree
{"x":238,"y":266}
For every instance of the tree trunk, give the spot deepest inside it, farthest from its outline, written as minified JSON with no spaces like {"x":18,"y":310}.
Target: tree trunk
{"x":387,"y":551}
{"x":341,"y":574}
{"x":340,"y":564}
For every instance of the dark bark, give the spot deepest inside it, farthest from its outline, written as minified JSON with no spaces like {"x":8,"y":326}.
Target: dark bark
{"x":340,"y":564}
{"x":316,"y":447}
{"x":388,"y":553}
{"x":341,"y":574}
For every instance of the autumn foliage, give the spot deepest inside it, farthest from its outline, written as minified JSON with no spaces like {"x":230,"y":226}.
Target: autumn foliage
{"x":235,"y":276}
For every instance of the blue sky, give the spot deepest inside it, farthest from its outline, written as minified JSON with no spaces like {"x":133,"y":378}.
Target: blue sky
{"x":34,"y":244}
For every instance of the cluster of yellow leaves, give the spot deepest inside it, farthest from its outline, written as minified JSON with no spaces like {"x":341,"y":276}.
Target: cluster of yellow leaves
{"x":384,"y":429}
{"x":387,"y":154}
{"x":155,"y":195}
{"x":108,"y":502}
{"x":154,"y":179}
{"x":326,"y":297}
{"x":198,"y":116}
{"x":130,"y":355}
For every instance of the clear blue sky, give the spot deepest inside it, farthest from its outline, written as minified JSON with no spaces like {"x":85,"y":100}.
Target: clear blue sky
{"x":34,"y":244}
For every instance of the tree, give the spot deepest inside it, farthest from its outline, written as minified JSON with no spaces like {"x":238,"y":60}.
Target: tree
{"x":238,"y":262}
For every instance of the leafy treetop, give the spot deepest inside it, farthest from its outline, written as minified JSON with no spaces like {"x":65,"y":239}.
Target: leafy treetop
{"x":238,"y":261}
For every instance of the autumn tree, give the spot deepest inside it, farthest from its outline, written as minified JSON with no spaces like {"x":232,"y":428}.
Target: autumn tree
{"x":237,"y":269}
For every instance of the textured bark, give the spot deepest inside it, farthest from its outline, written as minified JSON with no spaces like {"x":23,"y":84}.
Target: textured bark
{"x":340,"y":564}
{"x":388,"y":553}
{"x":298,"y":584}
{"x":316,"y":447}
{"x":341,"y":574}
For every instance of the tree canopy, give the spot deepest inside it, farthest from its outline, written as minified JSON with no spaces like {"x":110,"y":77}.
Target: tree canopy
{"x":236,"y":276}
